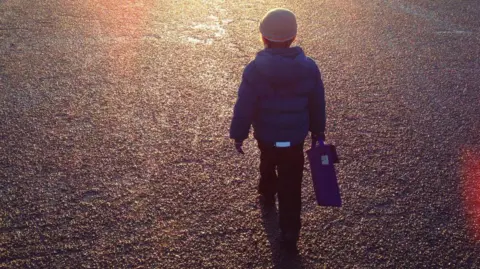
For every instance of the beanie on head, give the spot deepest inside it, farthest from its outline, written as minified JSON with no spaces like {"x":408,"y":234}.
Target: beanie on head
{"x":279,"y":25}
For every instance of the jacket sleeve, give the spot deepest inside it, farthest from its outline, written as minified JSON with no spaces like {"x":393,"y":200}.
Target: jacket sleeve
{"x":243,"y":111}
{"x":316,"y":105}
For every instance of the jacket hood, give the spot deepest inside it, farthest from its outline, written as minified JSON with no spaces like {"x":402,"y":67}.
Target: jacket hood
{"x":282,"y":64}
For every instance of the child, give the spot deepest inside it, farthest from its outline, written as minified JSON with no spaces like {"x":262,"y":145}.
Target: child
{"x":282,"y":96}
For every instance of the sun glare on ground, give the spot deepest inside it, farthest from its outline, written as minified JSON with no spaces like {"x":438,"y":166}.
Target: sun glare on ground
{"x":471,"y":190}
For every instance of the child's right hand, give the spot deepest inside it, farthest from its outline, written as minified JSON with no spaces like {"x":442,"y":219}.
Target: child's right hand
{"x":317,"y":137}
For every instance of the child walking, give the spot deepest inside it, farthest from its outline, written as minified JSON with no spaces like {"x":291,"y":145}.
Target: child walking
{"x":282,"y":96}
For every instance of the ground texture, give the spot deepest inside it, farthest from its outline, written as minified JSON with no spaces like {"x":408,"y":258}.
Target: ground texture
{"x":114,"y":149}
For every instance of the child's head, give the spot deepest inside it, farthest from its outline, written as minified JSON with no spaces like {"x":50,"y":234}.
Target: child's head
{"x":278,"y":28}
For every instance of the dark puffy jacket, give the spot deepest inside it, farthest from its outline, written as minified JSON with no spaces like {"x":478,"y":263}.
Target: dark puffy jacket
{"x":282,"y":96}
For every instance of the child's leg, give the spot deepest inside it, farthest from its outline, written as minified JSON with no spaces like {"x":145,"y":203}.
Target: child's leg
{"x":268,"y":175}
{"x":290,"y":173}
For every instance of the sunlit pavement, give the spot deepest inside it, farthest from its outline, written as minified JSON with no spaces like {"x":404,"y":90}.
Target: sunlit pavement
{"x":114,"y":149}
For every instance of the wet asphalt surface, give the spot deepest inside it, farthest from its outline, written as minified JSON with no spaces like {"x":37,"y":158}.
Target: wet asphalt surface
{"x":114,"y":149}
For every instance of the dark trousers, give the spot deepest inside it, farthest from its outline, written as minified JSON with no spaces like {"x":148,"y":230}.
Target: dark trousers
{"x":281,"y":171}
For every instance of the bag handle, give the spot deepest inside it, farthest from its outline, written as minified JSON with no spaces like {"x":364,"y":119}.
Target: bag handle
{"x":320,"y":142}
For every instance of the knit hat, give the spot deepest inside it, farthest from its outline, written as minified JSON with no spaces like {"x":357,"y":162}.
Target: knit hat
{"x":279,"y":25}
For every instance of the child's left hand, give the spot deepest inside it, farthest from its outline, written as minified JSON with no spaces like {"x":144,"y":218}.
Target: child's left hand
{"x":238,"y":147}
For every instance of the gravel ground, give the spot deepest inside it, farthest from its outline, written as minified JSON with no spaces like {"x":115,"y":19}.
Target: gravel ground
{"x":114,"y":149}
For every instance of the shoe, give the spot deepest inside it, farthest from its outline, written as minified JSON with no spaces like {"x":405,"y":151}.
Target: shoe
{"x":289,"y":244}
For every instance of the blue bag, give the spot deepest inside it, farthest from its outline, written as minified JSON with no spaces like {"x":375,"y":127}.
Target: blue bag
{"x":322,"y":158}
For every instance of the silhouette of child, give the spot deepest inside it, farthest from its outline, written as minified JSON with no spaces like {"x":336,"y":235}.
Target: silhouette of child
{"x":282,"y":96}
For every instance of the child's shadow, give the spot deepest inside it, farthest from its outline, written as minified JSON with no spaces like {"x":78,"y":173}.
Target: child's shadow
{"x":280,"y":259}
